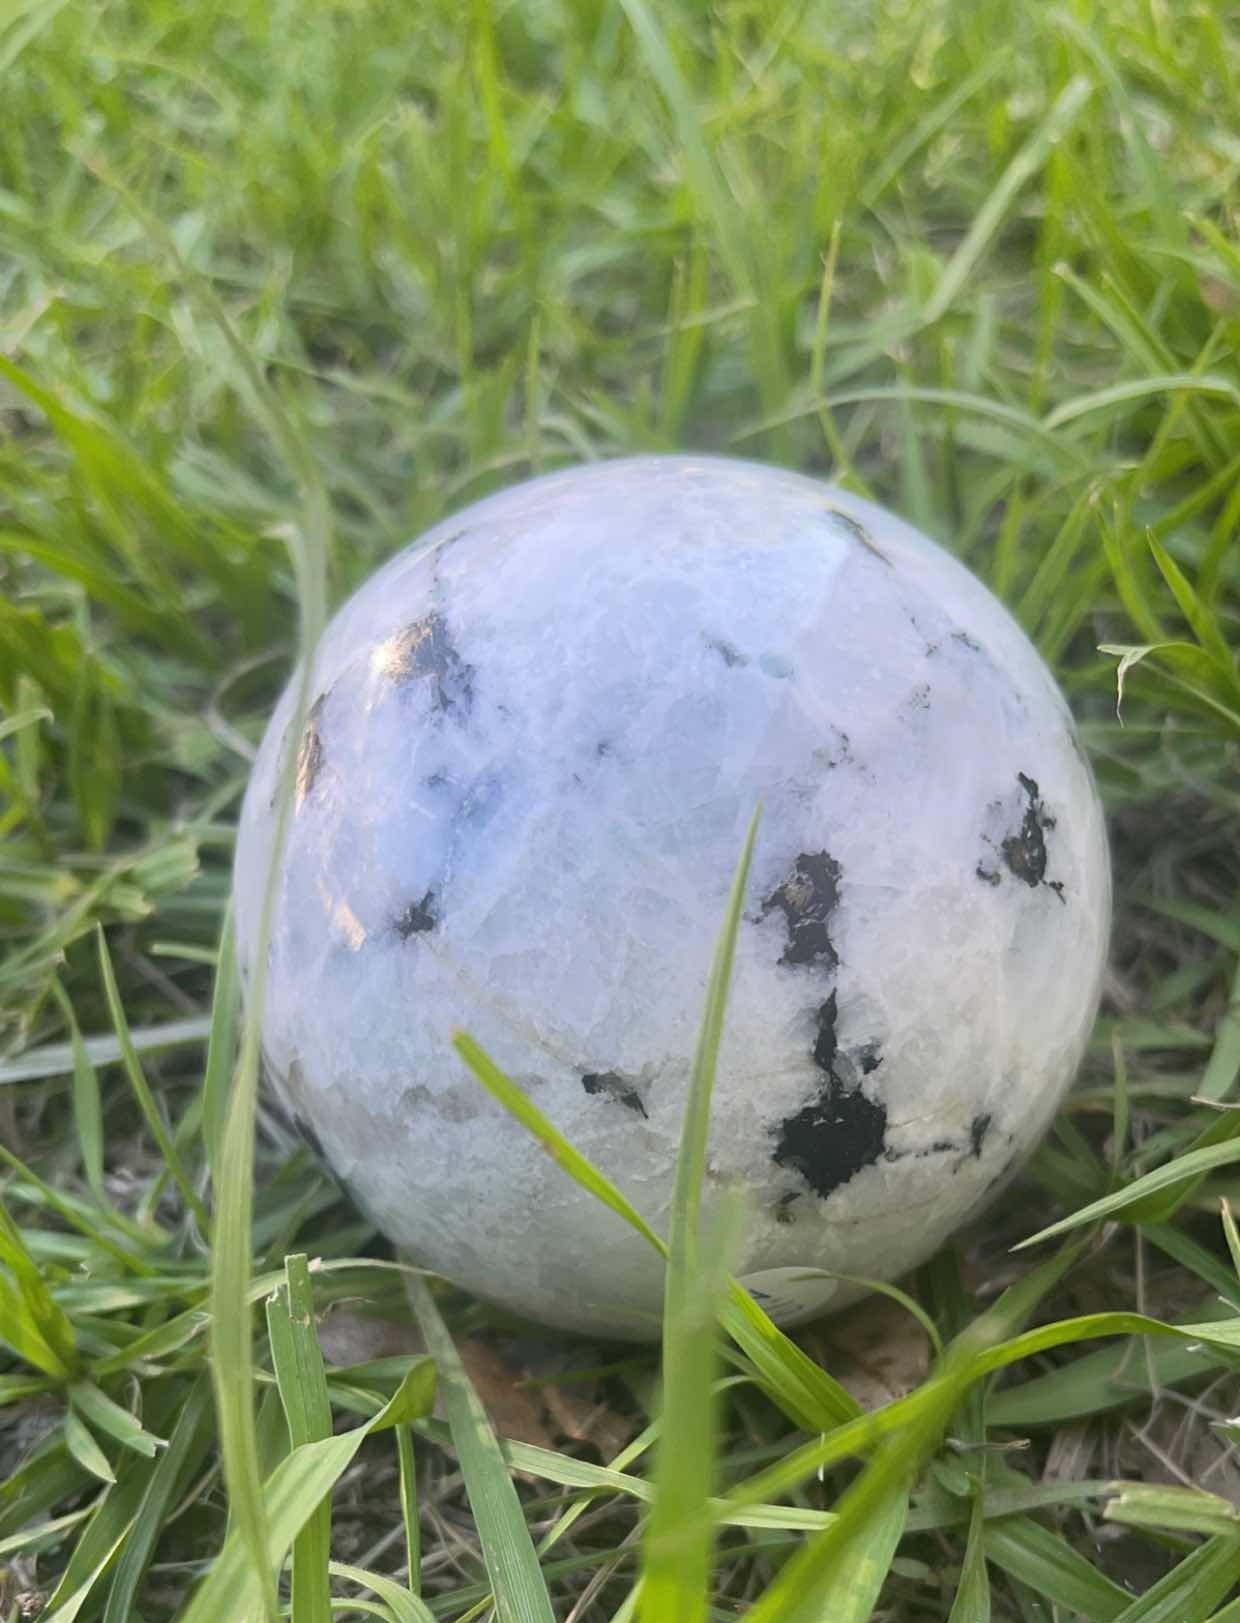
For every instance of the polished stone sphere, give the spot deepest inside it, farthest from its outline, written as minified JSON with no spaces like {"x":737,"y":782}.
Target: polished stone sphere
{"x":536,"y":740}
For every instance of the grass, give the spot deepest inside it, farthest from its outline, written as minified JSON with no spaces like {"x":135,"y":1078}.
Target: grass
{"x":281,"y":285}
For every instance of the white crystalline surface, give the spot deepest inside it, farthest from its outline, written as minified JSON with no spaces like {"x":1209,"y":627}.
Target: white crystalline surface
{"x":536,"y":743}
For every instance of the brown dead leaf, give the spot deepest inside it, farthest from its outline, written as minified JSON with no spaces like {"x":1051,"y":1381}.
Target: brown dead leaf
{"x":877,"y":1351}
{"x":514,"y":1408}
{"x":586,"y":1420}
{"x":514,"y":1377}
{"x":348,"y":1336}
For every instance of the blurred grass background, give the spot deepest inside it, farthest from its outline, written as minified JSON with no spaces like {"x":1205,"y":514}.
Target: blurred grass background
{"x":281,"y":284}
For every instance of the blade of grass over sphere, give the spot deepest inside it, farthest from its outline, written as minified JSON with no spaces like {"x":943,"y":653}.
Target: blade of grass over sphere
{"x":680,"y":1530}
{"x":141,"y":1088}
{"x":292,"y":1493}
{"x":517,"y":1583}
{"x":695,"y":1131}
{"x":298,"y":1364}
{"x":562,"y":1152}
{"x":807,"y":1394}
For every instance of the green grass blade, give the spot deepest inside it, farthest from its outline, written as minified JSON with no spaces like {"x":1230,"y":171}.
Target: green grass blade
{"x":971,"y":1603}
{"x":876,"y":1505}
{"x":1097,"y":1383}
{"x":516,"y":1102}
{"x":1192,"y":1589}
{"x":1053,"y":1569}
{"x":680,"y":1529}
{"x":518,"y":1586}
{"x":87,"y":1108}
{"x":407,"y":1466}
{"x":95,"y":1552}
{"x":232,"y":1331}
{"x":1200,"y":616}
{"x":221,"y":1044}
{"x":77,"y":1215}
{"x":188,"y":1442}
{"x":862,"y":1562}
{"x":56,"y":1059}
{"x":1223,"y":1066}
{"x":293,"y":1492}
{"x":109,"y":1417}
{"x":808,"y":1395}
{"x":141,"y":1088}
{"x":1179,"y":1510}
{"x":31,"y":1321}
{"x":85,"y":1450}
{"x":695,"y":1132}
{"x":298,"y":1364}
{"x":1183,"y":1170}
{"x":741,"y":251}
{"x":1057,"y":123}
{"x":402,"y":1606}
{"x":1118,"y":394}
